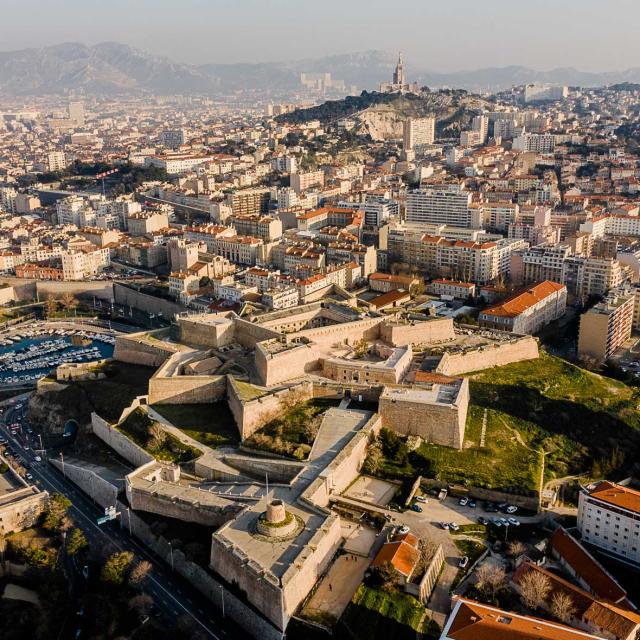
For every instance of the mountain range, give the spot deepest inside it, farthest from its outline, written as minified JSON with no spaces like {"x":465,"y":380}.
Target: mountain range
{"x":111,"y":67}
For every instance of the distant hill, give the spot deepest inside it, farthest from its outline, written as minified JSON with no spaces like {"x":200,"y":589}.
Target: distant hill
{"x":111,"y":67}
{"x":381,"y":114}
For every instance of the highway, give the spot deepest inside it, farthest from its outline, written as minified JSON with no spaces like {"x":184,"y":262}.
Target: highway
{"x":172,"y":596}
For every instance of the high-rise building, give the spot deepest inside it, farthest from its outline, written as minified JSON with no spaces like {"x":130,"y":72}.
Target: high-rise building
{"x":606,"y":326}
{"x":173,"y":138}
{"x":543,"y":92}
{"x":480,"y":123}
{"x":56,"y":161}
{"x":76,"y":112}
{"x":439,"y":204}
{"x":417,"y":132}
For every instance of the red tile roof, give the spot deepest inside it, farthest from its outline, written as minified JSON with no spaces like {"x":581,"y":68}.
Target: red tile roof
{"x":617,"y":496}
{"x":520,"y":303}
{"x":586,"y":566}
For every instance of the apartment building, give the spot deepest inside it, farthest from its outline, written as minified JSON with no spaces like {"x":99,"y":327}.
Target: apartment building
{"x":452,"y":288}
{"x":249,"y":201}
{"x":535,"y":143}
{"x":77,"y":265}
{"x":385,"y":282}
{"x":529,"y":311}
{"x":418,"y":132}
{"x":609,"y":519}
{"x":174,"y":164}
{"x":259,"y":226}
{"x":606,"y":326}
{"x":207,"y":234}
{"x":441,"y":204}
{"x":301,"y":182}
{"x":142,"y":223}
{"x":173,"y":138}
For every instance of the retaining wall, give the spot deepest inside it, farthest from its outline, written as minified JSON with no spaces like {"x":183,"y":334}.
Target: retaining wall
{"x":186,"y":389}
{"x":100,"y":490}
{"x":119,"y":442}
{"x":137,"y":349}
{"x":132,"y":298}
{"x":493,"y":355}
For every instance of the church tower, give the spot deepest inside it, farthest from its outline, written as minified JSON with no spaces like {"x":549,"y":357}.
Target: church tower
{"x":398,"y":76}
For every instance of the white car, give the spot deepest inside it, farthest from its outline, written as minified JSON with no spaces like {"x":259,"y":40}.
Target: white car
{"x":38,"y":459}
{"x":403,"y":530}
{"x":463,"y":502}
{"x":453,"y":526}
{"x":422,"y":499}
{"x":513,"y":522}
{"x":463,"y":562}
{"x":511,"y":509}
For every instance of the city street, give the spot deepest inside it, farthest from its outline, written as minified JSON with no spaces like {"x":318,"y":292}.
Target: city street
{"x":172,"y":597}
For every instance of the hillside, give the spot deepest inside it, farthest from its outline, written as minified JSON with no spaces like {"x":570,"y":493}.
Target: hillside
{"x":381,"y":114}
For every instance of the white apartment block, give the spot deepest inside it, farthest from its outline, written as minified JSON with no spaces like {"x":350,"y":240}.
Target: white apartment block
{"x":541,"y":92}
{"x":56,"y":161}
{"x":70,"y":211}
{"x":280,"y":298}
{"x":173,"y":138}
{"x":176,"y":164}
{"x":609,"y":519}
{"x":77,"y":265}
{"x":417,"y":132}
{"x":535,"y":142}
{"x":446,"y":204}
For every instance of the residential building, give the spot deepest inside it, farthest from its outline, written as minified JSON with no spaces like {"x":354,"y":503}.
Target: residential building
{"x":301,"y":182}
{"x":439,"y":204}
{"x":470,"y":620}
{"x":606,"y":326}
{"x":417,"y":132}
{"x":528,"y":312}
{"x":609,"y":520}
{"x":452,"y":289}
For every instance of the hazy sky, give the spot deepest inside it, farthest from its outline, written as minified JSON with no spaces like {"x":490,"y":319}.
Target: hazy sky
{"x":439,"y":35}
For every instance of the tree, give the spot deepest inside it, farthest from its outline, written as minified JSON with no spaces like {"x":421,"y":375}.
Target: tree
{"x":427,"y":549}
{"x":562,"y":606}
{"x":516,"y":549}
{"x":361,"y":348}
{"x":116,"y":566}
{"x":534,"y":589}
{"x":387,"y":577}
{"x":51,"y":305}
{"x":490,"y":578}
{"x":141,"y":603}
{"x":69,"y":301}
{"x":55,"y":512}
{"x":140,"y":572}
{"x":157,"y":435}
{"x":77,"y":542}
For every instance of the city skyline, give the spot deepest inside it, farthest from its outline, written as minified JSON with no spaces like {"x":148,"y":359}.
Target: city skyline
{"x":198,"y":32}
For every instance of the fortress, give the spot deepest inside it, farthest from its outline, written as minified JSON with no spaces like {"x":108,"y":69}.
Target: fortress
{"x":272,"y":540}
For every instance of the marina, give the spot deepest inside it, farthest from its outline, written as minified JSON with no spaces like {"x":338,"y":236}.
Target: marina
{"x":34,"y":353}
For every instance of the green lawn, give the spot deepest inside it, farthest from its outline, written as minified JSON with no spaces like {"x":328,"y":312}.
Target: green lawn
{"x":374,"y":614}
{"x":137,"y":426}
{"x":211,"y":424}
{"x":585,"y":423}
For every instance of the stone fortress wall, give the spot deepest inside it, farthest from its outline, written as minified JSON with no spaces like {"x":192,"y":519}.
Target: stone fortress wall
{"x":146,"y":348}
{"x":119,"y":442}
{"x":491,"y":355}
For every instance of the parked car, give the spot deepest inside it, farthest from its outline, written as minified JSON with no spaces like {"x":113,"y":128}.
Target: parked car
{"x":512,"y":509}
{"x":416,"y":507}
{"x":453,"y":526}
{"x":483,"y":520}
{"x":514,"y":522}
{"x":471,"y":504}
{"x":28,"y":476}
{"x":422,"y":499}
{"x":403,"y":530}
{"x":490,"y":507}
{"x":496,"y":521}
{"x":463,"y":562}
{"x":38,"y":459}
{"x":463,"y":502}
{"x":502,"y":506}
{"x":444,"y":525}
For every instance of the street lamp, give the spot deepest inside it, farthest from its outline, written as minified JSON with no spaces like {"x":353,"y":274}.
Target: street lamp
{"x":171,"y":550}
{"x":62,"y":461}
{"x":222,"y":598}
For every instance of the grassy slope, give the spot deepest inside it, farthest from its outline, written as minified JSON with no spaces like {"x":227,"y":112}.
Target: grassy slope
{"x":211,"y":424}
{"x":586,"y":423}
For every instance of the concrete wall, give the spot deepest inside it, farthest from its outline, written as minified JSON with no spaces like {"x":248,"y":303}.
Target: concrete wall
{"x":440,"y":424}
{"x":130,"y":297}
{"x":27,"y":289}
{"x":137,"y":349}
{"x":350,"y":332}
{"x":343,"y":469}
{"x":193,"y":331}
{"x":23,"y":513}
{"x":128,"y":449}
{"x":275,"y":368}
{"x":103,"y":492}
{"x":213,"y":589}
{"x":494,"y":355}
{"x":429,"y":331}
{"x":255,"y":467}
{"x":186,"y":389}
{"x":248,"y":334}
{"x":251,"y":415}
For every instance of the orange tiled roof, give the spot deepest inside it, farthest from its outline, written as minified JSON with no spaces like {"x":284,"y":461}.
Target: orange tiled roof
{"x":475,"y":621}
{"x":617,"y":496}
{"x":586,"y":566}
{"x":520,"y":303}
{"x":401,"y":554}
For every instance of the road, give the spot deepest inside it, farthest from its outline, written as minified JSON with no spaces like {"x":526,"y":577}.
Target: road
{"x":172,"y":596}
